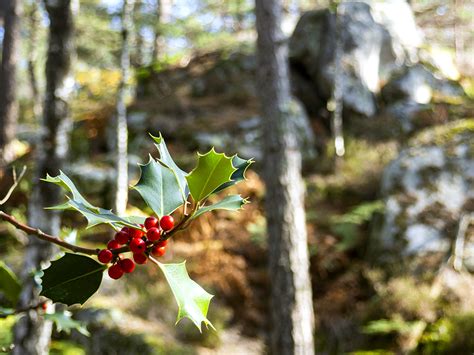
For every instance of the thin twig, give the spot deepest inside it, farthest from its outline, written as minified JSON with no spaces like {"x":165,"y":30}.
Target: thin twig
{"x":16,"y":181}
{"x":21,"y":310}
{"x":44,"y":236}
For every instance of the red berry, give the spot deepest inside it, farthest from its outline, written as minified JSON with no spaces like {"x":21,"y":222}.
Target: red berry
{"x":167,"y":223}
{"x":135,"y":233}
{"x":105,"y":256}
{"x":151,"y":222}
{"x":140,"y":258}
{"x":113,"y":244}
{"x":126,"y":230}
{"x":137,"y":246}
{"x":162,"y":243}
{"x":153,"y":234}
{"x":44,"y":306}
{"x":127,"y":265}
{"x":158,"y":251}
{"x":115,"y":272}
{"x":122,"y":237}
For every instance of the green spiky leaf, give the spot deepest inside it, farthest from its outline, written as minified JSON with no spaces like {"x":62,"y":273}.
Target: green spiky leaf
{"x":212,"y":171}
{"x":77,"y":202}
{"x":65,"y":323}
{"x":71,"y":279}
{"x":159,"y":187}
{"x":9,"y":284}
{"x":231,"y":203}
{"x":193,"y":301}
{"x":66,"y":183}
{"x":241,"y":165}
{"x":166,"y":158}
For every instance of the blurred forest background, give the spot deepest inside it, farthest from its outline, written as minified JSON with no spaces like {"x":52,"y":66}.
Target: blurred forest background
{"x":385,"y":121}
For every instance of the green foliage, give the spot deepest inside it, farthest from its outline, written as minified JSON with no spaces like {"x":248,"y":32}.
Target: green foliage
{"x":213,"y":171}
{"x":166,"y":158}
{"x":395,"y":325}
{"x":94,"y":215}
{"x":348,"y":225}
{"x":164,"y":187}
{"x":193,"y":301}
{"x":64,"y":322}
{"x":241,"y":165}
{"x":450,"y":335}
{"x":65,"y":348}
{"x":230,"y":203}
{"x":159,"y":187}
{"x":71,"y":279}
{"x":9,"y":284}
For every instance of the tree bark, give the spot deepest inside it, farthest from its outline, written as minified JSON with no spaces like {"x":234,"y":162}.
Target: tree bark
{"x":163,"y":13}
{"x":8,"y":80}
{"x":34,"y":20}
{"x":32,"y":333}
{"x":336,"y":101}
{"x":292,"y":317}
{"x":121,"y":189}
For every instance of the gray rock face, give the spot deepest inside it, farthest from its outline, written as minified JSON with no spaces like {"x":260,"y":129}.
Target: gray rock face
{"x":375,"y":43}
{"x":246,"y":138}
{"x":411,"y":89}
{"x":426,"y":190}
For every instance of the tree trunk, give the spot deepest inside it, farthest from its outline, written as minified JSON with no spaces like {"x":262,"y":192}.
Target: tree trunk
{"x":163,"y":13}
{"x":138,"y":40}
{"x":336,"y":102}
{"x":292,"y":317}
{"x":34,"y":19}
{"x":32,"y":333}
{"x":121,"y":189}
{"x":8,"y":84}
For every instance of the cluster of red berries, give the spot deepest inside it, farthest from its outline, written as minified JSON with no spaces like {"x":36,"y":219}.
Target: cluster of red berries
{"x":141,"y":242}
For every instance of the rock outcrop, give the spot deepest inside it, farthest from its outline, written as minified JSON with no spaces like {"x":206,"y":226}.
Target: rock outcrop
{"x":427,"y":190}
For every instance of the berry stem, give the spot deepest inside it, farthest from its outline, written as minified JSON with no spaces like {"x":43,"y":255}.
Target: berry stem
{"x":46,"y":237}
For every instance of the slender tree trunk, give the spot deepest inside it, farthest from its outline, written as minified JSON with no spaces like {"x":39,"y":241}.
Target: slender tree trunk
{"x":34,"y":19}
{"x":336,"y":102}
{"x":163,"y":13}
{"x":8,"y":82}
{"x":291,"y":300}
{"x":32,"y":333}
{"x":137,"y":57}
{"x":121,"y":194}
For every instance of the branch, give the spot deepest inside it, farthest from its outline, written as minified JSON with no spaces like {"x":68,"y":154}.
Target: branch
{"x":46,"y":237}
{"x":16,"y":181}
{"x":21,"y":310}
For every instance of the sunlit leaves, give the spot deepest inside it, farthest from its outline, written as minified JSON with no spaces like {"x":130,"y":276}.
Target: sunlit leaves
{"x":9,"y":284}
{"x":212,"y":171}
{"x":94,"y":215}
{"x":193,"y":301}
{"x":159,"y":187}
{"x":230,"y":203}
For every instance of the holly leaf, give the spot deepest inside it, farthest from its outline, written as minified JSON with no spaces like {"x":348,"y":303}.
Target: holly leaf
{"x":241,"y":165}
{"x":231,"y":203}
{"x":66,"y":183}
{"x":212,"y":171}
{"x":64,"y":322}
{"x":77,"y":202}
{"x":193,"y":301}
{"x":9,"y":284}
{"x":71,"y":279}
{"x":166,"y":158}
{"x":159,"y":187}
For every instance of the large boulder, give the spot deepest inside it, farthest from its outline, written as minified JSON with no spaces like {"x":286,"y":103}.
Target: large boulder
{"x":426,"y":190}
{"x":374,"y":42}
{"x":411,"y":89}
